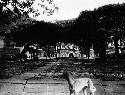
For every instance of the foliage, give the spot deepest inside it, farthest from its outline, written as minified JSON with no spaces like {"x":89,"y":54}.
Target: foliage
{"x":15,"y":13}
{"x":96,"y":26}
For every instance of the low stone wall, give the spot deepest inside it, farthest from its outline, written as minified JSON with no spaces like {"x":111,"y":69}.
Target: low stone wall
{"x":8,"y":52}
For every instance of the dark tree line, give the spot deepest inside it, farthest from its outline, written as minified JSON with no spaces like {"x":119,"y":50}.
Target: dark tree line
{"x":96,"y":26}
{"x":91,"y":27}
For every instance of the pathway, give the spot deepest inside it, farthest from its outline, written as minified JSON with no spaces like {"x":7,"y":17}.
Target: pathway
{"x":28,"y":84}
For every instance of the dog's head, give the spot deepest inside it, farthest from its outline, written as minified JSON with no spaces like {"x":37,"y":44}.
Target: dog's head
{"x":66,"y":74}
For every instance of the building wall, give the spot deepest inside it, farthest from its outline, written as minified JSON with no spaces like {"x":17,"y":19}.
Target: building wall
{"x":66,"y":49}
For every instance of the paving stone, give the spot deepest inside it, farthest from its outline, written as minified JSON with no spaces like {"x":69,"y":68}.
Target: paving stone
{"x":47,"y":89}
{"x":11,"y":89}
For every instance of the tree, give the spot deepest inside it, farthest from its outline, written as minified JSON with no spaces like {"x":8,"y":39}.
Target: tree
{"x":21,"y":9}
{"x":16,"y":17}
{"x":96,"y":26}
{"x":111,"y":22}
{"x":86,"y":26}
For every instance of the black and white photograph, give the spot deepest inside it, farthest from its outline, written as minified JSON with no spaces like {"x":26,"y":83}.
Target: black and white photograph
{"x":62,"y":47}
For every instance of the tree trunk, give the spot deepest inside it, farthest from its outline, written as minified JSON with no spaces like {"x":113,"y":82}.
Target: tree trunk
{"x":55,"y":52}
{"x":102,"y":51}
{"x":116,"y":45}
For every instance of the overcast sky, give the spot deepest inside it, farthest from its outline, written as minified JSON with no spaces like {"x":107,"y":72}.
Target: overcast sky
{"x":69,"y":9}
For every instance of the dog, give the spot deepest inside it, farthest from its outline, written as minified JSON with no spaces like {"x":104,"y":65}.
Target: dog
{"x":76,"y":85}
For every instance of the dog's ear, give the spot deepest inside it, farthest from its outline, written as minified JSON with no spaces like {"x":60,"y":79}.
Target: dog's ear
{"x":64,"y":74}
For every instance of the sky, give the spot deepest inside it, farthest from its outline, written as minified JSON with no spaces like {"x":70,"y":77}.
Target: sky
{"x":69,"y":9}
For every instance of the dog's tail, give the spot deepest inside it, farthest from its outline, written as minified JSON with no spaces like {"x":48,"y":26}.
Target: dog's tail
{"x":91,"y":86}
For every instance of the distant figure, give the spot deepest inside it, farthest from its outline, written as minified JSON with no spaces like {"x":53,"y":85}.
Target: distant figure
{"x":22,"y":55}
{"x":76,"y":85}
{"x":34,"y":53}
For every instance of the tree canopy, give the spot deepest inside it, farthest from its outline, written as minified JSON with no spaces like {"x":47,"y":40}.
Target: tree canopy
{"x":91,"y":27}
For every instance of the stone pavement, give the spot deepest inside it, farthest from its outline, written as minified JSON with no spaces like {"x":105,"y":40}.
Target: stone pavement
{"x":34,"y":87}
{"x":26,"y":84}
{"x":39,"y":87}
